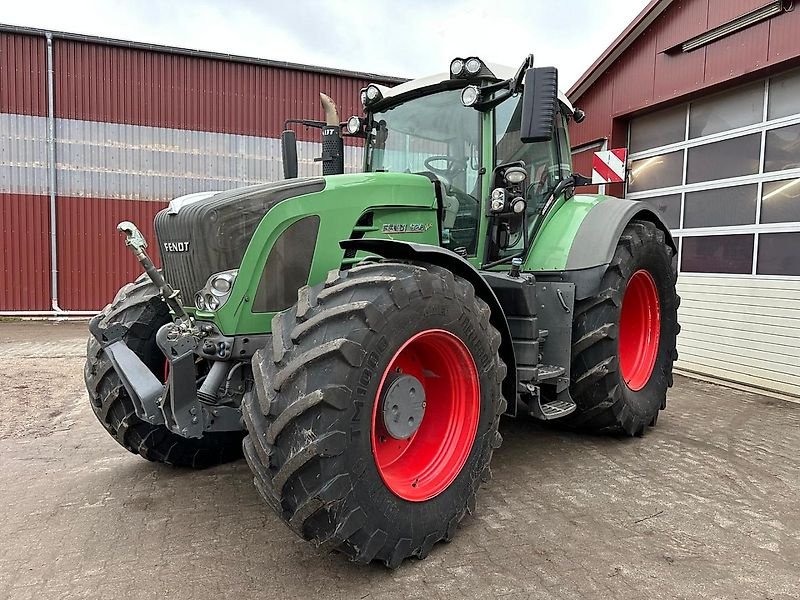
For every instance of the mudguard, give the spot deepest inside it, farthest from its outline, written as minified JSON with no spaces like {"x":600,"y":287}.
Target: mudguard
{"x":596,"y":239}
{"x":453,"y":262}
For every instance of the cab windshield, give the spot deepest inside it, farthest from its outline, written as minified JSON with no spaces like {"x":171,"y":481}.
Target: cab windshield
{"x":437,"y":136}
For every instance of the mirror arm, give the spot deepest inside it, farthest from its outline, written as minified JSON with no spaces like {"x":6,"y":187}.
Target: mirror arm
{"x":499,"y":98}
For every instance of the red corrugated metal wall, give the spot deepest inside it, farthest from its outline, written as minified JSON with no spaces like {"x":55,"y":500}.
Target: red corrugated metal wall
{"x":582,"y":163}
{"x":645,"y":76}
{"x":22,"y":74}
{"x":140,"y":87}
{"x":25,"y":259}
{"x":24,"y":220}
{"x":86,"y":230}
{"x":134,"y":86}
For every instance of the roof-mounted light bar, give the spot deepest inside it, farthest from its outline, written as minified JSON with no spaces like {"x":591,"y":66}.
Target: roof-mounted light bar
{"x":468,"y":68}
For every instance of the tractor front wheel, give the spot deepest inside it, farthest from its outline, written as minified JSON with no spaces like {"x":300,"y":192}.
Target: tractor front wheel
{"x":376,"y":410}
{"x":139,"y":307}
{"x":624,"y":337}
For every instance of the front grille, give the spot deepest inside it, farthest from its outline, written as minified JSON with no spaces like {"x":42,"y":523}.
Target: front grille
{"x":217,"y":230}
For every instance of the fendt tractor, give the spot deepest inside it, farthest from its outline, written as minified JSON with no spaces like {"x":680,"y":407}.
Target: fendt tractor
{"x":358,"y":336}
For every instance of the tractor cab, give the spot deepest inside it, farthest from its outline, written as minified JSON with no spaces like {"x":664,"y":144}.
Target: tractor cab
{"x":464,"y":129}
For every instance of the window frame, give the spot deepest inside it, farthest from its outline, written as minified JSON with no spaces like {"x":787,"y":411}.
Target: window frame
{"x":759,"y":178}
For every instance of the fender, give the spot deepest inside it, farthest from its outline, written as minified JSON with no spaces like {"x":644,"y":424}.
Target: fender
{"x":596,"y":239}
{"x":459,"y":266}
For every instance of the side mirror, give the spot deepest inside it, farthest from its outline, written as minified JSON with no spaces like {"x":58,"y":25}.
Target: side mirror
{"x":539,"y":104}
{"x":289,"y":154}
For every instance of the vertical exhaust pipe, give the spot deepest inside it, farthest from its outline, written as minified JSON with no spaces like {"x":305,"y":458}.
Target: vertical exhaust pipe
{"x":332,"y":143}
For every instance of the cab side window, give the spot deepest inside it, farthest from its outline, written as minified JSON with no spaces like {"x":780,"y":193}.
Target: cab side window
{"x":541,"y":159}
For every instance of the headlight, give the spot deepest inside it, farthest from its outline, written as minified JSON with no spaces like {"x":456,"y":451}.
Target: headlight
{"x":353,"y":125}
{"x":473,"y":65}
{"x":373,"y":93}
{"x":200,"y":302}
{"x":456,"y":67}
{"x":216,"y":291}
{"x":221,"y":284}
{"x":515,"y":175}
{"x":498,"y":200}
{"x":470,"y":95}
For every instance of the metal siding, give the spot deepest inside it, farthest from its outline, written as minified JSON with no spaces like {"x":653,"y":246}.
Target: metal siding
{"x":93,"y":262}
{"x":23,"y":154}
{"x":684,"y":72}
{"x":783,"y":37}
{"x":740,"y":329}
{"x":22,"y":74}
{"x":737,"y":54}
{"x":24,"y":260}
{"x":597,"y":104}
{"x":635,"y":74}
{"x":582,"y":163}
{"x":722,"y":11}
{"x":134,"y":86}
{"x":113,"y":160}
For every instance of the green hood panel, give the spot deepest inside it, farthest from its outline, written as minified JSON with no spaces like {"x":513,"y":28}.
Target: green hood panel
{"x":394,"y":205}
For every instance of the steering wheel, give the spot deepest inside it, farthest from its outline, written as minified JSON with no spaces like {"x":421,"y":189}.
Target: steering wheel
{"x":453,"y":167}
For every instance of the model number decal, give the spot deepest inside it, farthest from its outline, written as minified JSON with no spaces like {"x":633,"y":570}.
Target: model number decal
{"x":406,"y":227}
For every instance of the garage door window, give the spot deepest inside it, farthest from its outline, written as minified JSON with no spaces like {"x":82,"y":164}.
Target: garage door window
{"x":722,"y":206}
{"x":778,"y":253}
{"x":784,"y":96}
{"x":780,"y":202}
{"x":729,"y":183}
{"x":718,"y":254}
{"x":656,"y":172}
{"x":659,"y":129}
{"x":724,"y":112}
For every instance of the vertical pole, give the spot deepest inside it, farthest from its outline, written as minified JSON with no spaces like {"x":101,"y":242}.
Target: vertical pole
{"x":51,"y":174}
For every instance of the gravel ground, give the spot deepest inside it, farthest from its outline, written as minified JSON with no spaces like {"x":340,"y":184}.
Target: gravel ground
{"x":704,"y":506}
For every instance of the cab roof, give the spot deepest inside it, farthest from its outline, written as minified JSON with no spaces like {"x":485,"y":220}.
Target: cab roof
{"x":431,"y":81}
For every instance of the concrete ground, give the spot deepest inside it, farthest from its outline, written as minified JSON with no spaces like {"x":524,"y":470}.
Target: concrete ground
{"x":706,"y":505}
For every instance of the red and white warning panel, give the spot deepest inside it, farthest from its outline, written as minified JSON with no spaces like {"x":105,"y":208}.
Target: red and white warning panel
{"x":608,"y":166}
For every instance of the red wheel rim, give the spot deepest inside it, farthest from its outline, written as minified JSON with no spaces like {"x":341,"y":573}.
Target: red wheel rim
{"x":424,"y":465}
{"x":639,"y":330}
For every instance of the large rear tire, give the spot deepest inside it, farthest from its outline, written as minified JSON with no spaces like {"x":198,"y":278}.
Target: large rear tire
{"x":624,"y":338}
{"x":328,"y":449}
{"x":138,"y":307}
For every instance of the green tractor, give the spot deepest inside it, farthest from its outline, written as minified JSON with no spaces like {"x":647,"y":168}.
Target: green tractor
{"x":359,"y":336}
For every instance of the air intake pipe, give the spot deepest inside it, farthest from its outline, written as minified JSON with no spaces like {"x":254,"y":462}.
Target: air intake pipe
{"x":332,"y":143}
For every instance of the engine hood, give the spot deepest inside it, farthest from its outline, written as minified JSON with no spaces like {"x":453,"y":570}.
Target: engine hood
{"x":201,"y":234}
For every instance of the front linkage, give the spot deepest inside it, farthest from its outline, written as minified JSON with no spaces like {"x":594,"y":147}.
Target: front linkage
{"x":178,"y":403}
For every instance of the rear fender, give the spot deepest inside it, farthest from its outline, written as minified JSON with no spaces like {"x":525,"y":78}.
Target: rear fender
{"x":459,"y":266}
{"x":596,"y":239}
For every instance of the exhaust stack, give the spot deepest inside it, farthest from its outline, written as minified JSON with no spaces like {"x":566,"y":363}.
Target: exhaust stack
{"x":332,"y":143}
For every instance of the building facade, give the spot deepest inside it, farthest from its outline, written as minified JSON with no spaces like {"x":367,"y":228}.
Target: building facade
{"x":94,"y":131}
{"x":705,"y":95}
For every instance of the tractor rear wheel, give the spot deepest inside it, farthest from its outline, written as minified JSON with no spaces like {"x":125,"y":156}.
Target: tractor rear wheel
{"x":624,"y":337}
{"x":376,"y":410}
{"x":139,"y":307}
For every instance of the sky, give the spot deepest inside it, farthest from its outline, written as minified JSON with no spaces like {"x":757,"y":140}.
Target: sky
{"x":407,"y":38}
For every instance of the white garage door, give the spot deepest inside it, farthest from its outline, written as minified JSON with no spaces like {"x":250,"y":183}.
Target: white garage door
{"x":724,"y":172}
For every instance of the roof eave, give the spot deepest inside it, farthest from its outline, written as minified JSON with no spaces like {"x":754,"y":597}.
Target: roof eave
{"x":642,"y":21}
{"x":92,"y":39}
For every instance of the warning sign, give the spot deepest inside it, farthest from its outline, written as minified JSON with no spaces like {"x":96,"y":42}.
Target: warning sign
{"x":608,"y":166}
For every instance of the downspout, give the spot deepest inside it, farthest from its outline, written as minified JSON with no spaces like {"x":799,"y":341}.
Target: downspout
{"x":51,"y":174}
